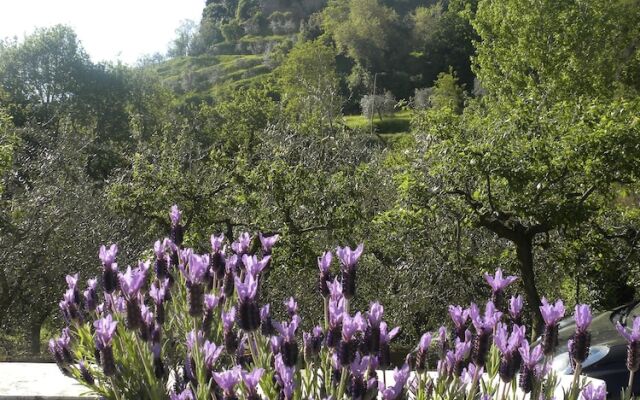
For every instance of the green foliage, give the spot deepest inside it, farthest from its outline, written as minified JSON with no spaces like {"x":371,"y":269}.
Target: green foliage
{"x":309,"y":85}
{"x":363,"y":29}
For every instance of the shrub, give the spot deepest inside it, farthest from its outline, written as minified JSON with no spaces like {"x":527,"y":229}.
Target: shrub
{"x":377,"y":104}
{"x":190,"y":326}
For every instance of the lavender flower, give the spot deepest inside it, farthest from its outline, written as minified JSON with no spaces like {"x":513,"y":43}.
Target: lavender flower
{"x":459,"y":316}
{"x":158,"y":292}
{"x":633,"y":344}
{"x":266,"y":323}
{"x":158,"y":365}
{"x":105,"y":330}
{"x":161,"y":263}
{"x":267,"y":243}
{"x":186,"y":394}
{"x":372,"y":333}
{"x":285,"y":378}
{"x":357,"y":385}
{"x":194,"y":338}
{"x":442,"y":339}
{"x":253,"y":266}
{"x":581,"y":339}
{"x":251,"y":380}
{"x":484,"y":328}
{"x":110,"y":271}
{"x":248,"y":310}
{"x":594,"y":392}
{"x":516,"y":305}
{"x":229,"y":275}
{"x":396,"y":392}
{"x":530,"y":358}
{"x":498,"y":283}
{"x":177,"y":230}
{"x":312,"y":343}
{"x":347,"y":347}
{"x":289,"y":346}
{"x":132,"y":280}
{"x":228,"y":380}
{"x":423,"y":350}
{"x":336,"y":315}
{"x":211,"y":354}
{"x":217,"y":255}
{"x":91,"y":295}
{"x":87,"y":376}
{"x":508,"y":345}
{"x":386,"y":336}
{"x":230,"y":338}
{"x":551,"y":314}
{"x":324,"y":263}
{"x":292,"y":306}
{"x":198,"y":266}
{"x":241,"y":246}
{"x":349,"y":259}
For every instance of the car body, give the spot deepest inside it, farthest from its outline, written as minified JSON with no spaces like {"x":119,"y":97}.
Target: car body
{"x":608,"y":354}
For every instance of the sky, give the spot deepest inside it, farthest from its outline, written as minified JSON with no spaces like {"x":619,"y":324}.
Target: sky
{"x":109,"y":30}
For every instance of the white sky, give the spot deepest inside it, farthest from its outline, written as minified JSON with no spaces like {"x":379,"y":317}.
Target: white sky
{"x":108,"y":29}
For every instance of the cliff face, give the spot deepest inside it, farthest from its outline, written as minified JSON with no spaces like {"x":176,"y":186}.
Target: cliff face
{"x":298,"y":9}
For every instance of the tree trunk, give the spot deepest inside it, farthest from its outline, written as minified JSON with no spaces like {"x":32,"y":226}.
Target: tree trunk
{"x":34,"y":337}
{"x":524,"y":250}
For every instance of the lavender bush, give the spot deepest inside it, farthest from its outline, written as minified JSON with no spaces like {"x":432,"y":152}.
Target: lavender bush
{"x":192,"y":326}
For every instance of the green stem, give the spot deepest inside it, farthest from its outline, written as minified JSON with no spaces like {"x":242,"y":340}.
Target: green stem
{"x":474,"y":382}
{"x":576,"y":377}
{"x":343,"y":383}
{"x":630,"y":385}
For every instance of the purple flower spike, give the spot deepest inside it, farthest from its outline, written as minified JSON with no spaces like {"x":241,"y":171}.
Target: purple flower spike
{"x":186,"y":394}
{"x":108,"y":256}
{"x":105,"y":329}
{"x":241,"y":246}
{"x":335,"y":289}
{"x":376,"y":310}
{"x":131,"y":281}
{"x":228,"y":319}
{"x":349,"y":258}
{"x":268,"y":242}
{"x":425,"y":342}
{"x":253,"y":266}
{"x":292,"y":306}
{"x":581,"y":339}
{"x":515,"y":308}
{"x":324,"y":262}
{"x":217,"y":242}
{"x":288,"y":329}
{"x":396,"y":392}
{"x":175,"y":215}
{"x":582,"y":317}
{"x":634,"y":335}
{"x":486,"y":323}
{"x":211,"y":354}
{"x":72,"y":281}
{"x":251,"y":380}
{"x":247,"y":289}
{"x":194,"y":338}
{"x":197,"y":268}
{"x":530,"y":357}
{"x":351,"y":325}
{"x":227,"y":380}
{"x":552,"y":314}
{"x":211,"y":301}
{"x":497,"y":282}
{"x":458,"y":315}
{"x":594,"y":392}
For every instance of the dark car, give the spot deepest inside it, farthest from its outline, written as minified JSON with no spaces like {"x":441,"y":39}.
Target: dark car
{"x":608,"y":355}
